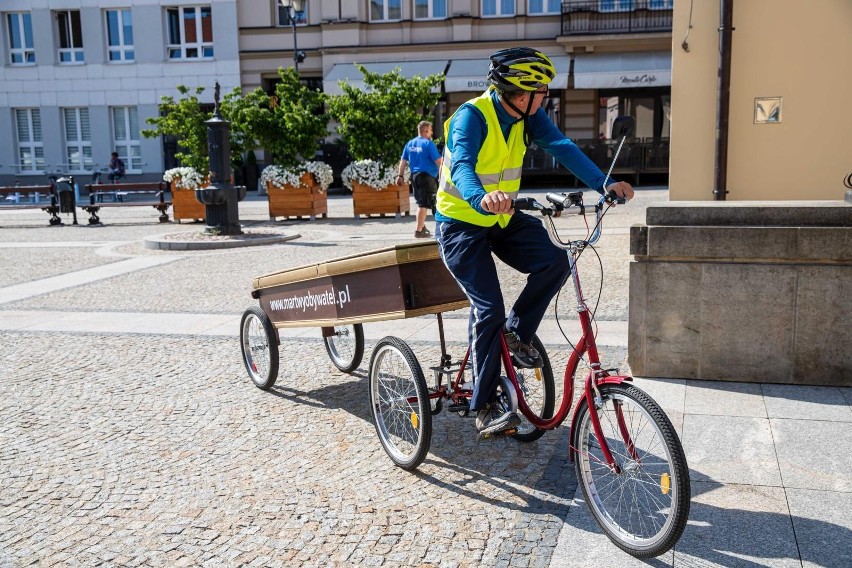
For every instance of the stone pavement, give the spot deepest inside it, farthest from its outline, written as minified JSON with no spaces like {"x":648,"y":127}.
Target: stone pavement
{"x":130,"y":434}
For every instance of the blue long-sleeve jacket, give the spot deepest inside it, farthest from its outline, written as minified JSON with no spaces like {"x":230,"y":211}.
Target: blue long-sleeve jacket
{"x":467,"y":130}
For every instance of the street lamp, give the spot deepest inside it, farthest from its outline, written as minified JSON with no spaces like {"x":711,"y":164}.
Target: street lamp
{"x":293,"y":6}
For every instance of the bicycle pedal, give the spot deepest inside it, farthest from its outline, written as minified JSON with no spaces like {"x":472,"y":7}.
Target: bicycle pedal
{"x":458,"y":407}
{"x":501,"y":433}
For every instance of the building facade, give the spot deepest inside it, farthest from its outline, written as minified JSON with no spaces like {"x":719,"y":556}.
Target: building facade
{"x":79,"y":78}
{"x":612,"y":56}
{"x":786,"y":138}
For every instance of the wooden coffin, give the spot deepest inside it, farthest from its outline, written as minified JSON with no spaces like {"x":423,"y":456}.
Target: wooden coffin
{"x":397,"y":282}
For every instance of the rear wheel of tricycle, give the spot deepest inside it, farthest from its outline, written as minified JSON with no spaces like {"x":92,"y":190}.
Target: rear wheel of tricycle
{"x":399,"y":402}
{"x":539,"y":392}
{"x":346,"y":346}
{"x":259,"y":344}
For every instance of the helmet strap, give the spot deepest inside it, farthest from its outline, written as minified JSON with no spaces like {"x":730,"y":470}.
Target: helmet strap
{"x":524,"y":114}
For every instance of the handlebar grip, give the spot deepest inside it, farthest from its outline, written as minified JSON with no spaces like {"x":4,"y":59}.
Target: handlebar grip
{"x":523,"y":203}
{"x":611,"y":197}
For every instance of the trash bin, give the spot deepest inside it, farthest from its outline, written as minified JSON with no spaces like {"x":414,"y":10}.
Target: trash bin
{"x":64,"y":189}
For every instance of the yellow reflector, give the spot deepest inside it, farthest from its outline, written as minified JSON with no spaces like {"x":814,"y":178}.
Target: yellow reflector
{"x":665,"y":483}
{"x":538,"y":374}
{"x":414,"y":420}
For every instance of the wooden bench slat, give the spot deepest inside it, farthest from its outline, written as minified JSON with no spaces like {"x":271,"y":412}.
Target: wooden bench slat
{"x":158,"y":189}
{"x":49,"y":205}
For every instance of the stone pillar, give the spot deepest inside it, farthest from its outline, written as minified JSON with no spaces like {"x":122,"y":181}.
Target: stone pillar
{"x":743,"y":291}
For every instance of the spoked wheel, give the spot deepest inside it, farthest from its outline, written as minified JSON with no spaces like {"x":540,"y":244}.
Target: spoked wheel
{"x":539,"y":393}
{"x":346,"y":347}
{"x":644,"y":505}
{"x":399,"y":402}
{"x":259,"y":344}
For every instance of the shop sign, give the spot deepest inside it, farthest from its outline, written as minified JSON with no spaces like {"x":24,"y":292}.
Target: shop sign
{"x":644,"y":80}
{"x":477,"y":84}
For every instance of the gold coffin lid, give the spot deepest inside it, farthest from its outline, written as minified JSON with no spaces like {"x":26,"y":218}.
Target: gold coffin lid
{"x":390,"y":256}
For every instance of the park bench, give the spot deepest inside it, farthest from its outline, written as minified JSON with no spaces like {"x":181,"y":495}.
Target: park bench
{"x":124,"y":194}
{"x":12,"y":199}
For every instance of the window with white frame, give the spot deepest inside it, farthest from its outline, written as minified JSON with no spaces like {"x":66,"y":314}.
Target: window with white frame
{"x":660,"y":4}
{"x":21,"y":48}
{"x":30,"y":145}
{"x":498,"y":8}
{"x":542,"y":7}
{"x":385,"y":10}
{"x":190,"y":32}
{"x":125,"y":136}
{"x":78,"y":139}
{"x":70,"y":33}
{"x":283,"y":12}
{"x":616,"y":5}
{"x":119,"y":32}
{"x":430,"y":9}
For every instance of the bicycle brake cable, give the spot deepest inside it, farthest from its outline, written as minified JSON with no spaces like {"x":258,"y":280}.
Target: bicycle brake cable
{"x":600,"y":288}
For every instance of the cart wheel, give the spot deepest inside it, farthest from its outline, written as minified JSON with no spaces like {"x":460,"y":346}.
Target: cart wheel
{"x":399,"y":401}
{"x":539,"y":392}
{"x":259,"y":344}
{"x":346,"y":347}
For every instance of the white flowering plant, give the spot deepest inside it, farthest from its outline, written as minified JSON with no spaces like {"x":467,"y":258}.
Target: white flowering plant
{"x":279,"y":176}
{"x":371,"y":173}
{"x":184,"y":178}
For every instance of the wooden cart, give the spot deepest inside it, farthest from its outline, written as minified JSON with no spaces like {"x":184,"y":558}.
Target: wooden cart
{"x":339,"y":295}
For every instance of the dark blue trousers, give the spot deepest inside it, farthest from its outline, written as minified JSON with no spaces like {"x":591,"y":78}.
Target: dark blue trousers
{"x":524,"y":245}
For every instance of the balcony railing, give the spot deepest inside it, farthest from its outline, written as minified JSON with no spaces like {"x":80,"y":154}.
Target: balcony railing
{"x":616,"y":16}
{"x":637,"y":157}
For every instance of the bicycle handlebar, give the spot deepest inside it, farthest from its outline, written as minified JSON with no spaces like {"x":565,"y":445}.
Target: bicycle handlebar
{"x":561,"y":202}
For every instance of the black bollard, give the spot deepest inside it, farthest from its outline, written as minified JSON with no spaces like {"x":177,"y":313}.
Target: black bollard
{"x":220,"y":197}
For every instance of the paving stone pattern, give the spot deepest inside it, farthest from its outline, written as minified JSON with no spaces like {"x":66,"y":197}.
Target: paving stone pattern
{"x":158,"y":451}
{"x":153,"y":450}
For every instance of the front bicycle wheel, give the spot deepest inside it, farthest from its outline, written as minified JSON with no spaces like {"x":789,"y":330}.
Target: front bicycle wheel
{"x":643,"y":505}
{"x":399,"y":402}
{"x":346,"y":347}
{"x":539,"y":392}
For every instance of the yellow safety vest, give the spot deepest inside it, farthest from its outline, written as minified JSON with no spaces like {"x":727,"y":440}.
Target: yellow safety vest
{"x":498,"y":167}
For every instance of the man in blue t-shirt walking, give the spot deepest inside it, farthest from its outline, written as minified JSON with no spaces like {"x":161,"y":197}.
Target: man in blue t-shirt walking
{"x":424,"y":159}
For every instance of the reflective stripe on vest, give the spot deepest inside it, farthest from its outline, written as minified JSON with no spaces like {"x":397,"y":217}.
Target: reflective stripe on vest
{"x":498,"y":167}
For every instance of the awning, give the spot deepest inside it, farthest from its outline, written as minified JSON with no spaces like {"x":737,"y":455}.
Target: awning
{"x":625,"y":70}
{"x":349,"y":73}
{"x":471,"y":74}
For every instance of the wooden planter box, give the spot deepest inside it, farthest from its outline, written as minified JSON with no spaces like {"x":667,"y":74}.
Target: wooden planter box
{"x":368,"y":201}
{"x":185,"y":205}
{"x":297,"y":201}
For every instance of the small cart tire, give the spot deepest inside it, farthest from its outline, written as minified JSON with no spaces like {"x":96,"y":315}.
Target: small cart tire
{"x":539,"y":391}
{"x":259,"y":345}
{"x":399,"y":403}
{"x":346,"y":347}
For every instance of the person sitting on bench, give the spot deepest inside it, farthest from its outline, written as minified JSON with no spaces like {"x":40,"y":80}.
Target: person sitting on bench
{"x":116,"y":168}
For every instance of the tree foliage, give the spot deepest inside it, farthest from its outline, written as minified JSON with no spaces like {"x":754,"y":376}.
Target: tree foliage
{"x":183,"y":119}
{"x":376,"y":123}
{"x":291,"y":123}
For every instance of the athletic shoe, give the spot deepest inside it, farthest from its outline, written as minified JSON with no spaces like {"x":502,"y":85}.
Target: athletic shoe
{"x":523,"y":354}
{"x":488,"y":421}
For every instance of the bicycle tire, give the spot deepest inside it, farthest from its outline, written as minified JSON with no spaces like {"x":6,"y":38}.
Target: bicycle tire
{"x":399,"y":403}
{"x":539,"y":391}
{"x":259,"y":346}
{"x":655,"y":487}
{"x":346,"y":347}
